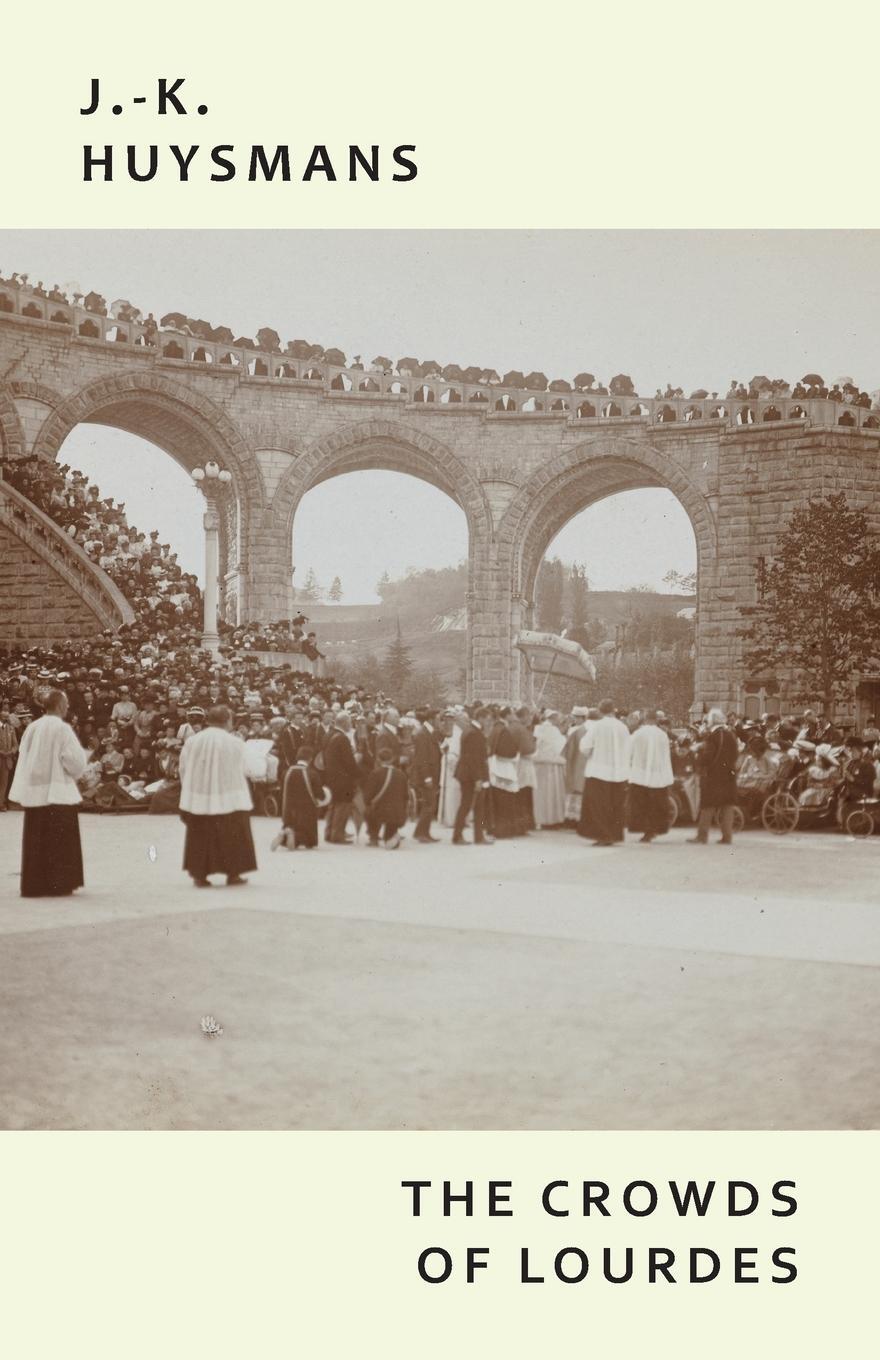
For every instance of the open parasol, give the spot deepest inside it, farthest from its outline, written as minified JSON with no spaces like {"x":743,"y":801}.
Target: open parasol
{"x":549,"y":654}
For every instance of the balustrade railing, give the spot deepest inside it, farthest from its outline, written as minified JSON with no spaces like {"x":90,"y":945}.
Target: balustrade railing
{"x":176,"y":347}
{"x":35,"y":529}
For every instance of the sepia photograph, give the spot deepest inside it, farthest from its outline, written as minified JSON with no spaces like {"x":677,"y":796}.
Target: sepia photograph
{"x":357,"y":588}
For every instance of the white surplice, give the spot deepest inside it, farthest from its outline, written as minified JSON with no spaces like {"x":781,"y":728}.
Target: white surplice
{"x":606,"y":747}
{"x":212,"y":774}
{"x":50,"y":761}
{"x":650,"y":762}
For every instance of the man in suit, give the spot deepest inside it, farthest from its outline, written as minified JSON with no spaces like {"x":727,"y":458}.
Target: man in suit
{"x":472,"y":773}
{"x":425,"y":774}
{"x":341,"y":777}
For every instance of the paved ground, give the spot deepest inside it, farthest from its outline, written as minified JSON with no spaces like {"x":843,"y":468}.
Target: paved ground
{"x":538,"y":983}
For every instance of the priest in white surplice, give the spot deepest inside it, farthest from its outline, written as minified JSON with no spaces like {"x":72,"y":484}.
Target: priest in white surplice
{"x":606,"y":746}
{"x":50,"y":761}
{"x":215,"y":803}
{"x":650,"y":779}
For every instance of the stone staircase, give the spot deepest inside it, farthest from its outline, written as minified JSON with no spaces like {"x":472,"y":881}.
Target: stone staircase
{"x":50,"y":590}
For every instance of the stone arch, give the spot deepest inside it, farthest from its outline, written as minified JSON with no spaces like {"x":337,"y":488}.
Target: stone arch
{"x":12,"y":441}
{"x":392,"y":447}
{"x":386,"y":445}
{"x":187,"y":426}
{"x":37,"y":392}
{"x":571,"y":482}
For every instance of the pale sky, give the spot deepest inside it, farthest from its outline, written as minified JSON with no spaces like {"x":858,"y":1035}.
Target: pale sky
{"x":691,"y":308}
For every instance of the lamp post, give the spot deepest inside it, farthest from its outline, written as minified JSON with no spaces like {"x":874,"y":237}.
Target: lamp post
{"x":211,"y":481}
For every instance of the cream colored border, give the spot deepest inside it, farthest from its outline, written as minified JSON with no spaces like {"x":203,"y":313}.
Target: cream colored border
{"x":264,"y":1245}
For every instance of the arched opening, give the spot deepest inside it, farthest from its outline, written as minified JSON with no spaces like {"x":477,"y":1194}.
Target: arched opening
{"x":619,"y":577}
{"x":385,"y":447}
{"x":644,"y":539}
{"x":145,"y":531}
{"x":386,"y":599}
{"x":129,"y":421}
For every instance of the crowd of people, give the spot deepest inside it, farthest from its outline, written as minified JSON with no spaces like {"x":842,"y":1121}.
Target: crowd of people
{"x":141,"y":719}
{"x":288,"y":635}
{"x":313,"y":750}
{"x":145,"y":570}
{"x":811,"y":386}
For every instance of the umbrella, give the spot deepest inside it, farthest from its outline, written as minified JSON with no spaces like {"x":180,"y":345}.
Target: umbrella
{"x":584,"y":381}
{"x":174,"y":319}
{"x":222,"y":334}
{"x":514,"y":378}
{"x":699,"y":394}
{"x":560,"y":385}
{"x":844,"y":382}
{"x":472,"y":374}
{"x":202,"y":328}
{"x":536,"y":382}
{"x":488,"y":375}
{"x":548,"y":654}
{"x":621,"y":385}
{"x":812,"y":380}
{"x":452,"y":373}
{"x":431,"y":369}
{"x":409,"y":366}
{"x":299,"y":349}
{"x":268,"y":339}
{"x":334,"y":356}
{"x":382,"y":363}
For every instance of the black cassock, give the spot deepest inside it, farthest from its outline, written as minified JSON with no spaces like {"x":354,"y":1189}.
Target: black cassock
{"x":299,"y":812}
{"x":51,"y":852}
{"x":220,"y":844}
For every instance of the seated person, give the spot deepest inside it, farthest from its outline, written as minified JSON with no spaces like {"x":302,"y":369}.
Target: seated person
{"x":822,"y":774}
{"x":310,"y":648}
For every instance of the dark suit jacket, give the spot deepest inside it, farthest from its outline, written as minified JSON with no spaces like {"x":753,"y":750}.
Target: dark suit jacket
{"x":716,"y":763}
{"x":391,"y":806}
{"x":473,"y":759}
{"x":426,"y":757}
{"x":340,"y":767}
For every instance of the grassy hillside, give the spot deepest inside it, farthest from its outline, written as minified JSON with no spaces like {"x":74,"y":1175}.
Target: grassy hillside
{"x":348,"y":634}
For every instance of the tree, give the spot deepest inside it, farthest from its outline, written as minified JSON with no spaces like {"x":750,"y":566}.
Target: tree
{"x":548,"y":595}
{"x":425,"y":594}
{"x":817,"y":617}
{"x":681,"y":582}
{"x":336,"y":590}
{"x":311,"y":591}
{"x":398,"y":665}
{"x":578,"y":604}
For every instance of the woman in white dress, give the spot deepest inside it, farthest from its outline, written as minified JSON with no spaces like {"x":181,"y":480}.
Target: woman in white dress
{"x":549,"y":771}
{"x":450,"y":789}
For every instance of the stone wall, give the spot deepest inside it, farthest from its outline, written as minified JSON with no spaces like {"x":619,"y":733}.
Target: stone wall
{"x":518,"y":477}
{"x":37,"y":606}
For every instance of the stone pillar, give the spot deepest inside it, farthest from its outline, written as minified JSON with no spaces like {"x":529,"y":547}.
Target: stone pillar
{"x":268,"y":582}
{"x":493,"y":673}
{"x":211,"y":521}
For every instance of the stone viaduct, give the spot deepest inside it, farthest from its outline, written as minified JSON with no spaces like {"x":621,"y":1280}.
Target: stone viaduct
{"x":519,"y":463}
